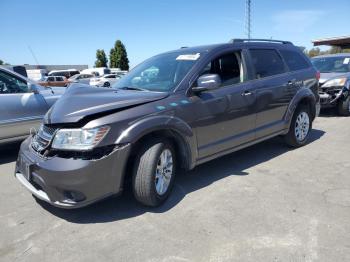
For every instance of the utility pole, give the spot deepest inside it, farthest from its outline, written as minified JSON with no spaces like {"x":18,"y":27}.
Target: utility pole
{"x":247,"y":19}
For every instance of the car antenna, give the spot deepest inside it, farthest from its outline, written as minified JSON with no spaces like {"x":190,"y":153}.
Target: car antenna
{"x":31,"y":51}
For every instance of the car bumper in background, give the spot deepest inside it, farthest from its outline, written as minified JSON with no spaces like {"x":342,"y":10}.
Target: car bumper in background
{"x":71,"y":183}
{"x":330,"y":97}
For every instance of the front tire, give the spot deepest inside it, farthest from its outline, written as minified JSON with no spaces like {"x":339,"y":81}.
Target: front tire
{"x":154,"y":173}
{"x":107,"y":84}
{"x":344,"y":107}
{"x":300,"y":127}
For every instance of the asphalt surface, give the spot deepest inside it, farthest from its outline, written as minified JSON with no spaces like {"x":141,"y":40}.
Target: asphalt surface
{"x":265,"y":203}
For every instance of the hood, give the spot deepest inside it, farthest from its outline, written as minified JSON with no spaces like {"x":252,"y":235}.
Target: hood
{"x":80,"y":101}
{"x":327,"y":76}
{"x":51,"y":96}
{"x":58,"y":91}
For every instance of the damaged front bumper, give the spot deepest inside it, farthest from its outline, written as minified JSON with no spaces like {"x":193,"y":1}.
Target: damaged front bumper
{"x":330,"y":96}
{"x":71,"y":182}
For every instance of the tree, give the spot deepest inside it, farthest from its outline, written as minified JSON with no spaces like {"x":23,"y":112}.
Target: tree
{"x":112,"y":58}
{"x":118,"y":57}
{"x":314,"y":52}
{"x":101,"y":58}
{"x":1,"y":62}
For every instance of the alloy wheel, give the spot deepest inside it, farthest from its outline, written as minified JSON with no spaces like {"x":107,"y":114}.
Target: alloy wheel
{"x":302,"y":126}
{"x":164,"y":172}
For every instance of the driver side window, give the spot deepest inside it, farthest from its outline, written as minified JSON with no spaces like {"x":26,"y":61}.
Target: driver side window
{"x":229,"y":67}
{"x":12,"y":85}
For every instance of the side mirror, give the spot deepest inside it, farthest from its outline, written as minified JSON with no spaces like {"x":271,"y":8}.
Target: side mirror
{"x":207,"y":82}
{"x":33,"y":88}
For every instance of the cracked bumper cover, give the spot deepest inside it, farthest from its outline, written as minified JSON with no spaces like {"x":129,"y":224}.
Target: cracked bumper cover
{"x":71,"y":183}
{"x":330,"y":96}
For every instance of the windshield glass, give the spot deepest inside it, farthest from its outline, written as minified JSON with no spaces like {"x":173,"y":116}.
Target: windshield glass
{"x":74,"y":77}
{"x":339,"y":64}
{"x":160,"y":73}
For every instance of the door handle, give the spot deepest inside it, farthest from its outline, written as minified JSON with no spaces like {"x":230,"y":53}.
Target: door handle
{"x":247,"y":93}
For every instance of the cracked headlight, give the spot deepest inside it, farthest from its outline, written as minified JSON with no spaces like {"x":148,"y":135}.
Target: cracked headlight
{"x":78,"y":138}
{"x":335,"y":82}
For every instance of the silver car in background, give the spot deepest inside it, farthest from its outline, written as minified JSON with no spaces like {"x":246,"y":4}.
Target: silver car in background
{"x":81,"y":78}
{"x":335,"y":81}
{"x":23,"y":104}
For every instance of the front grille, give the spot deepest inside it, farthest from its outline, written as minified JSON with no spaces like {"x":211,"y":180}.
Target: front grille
{"x":43,"y":138}
{"x":49,"y":130}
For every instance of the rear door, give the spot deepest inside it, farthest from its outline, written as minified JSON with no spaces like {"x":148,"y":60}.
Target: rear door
{"x":225,"y":116}
{"x":274,"y":88}
{"x":20,"y":109}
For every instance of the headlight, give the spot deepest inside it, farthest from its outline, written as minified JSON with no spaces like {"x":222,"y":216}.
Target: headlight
{"x":79,"y":139}
{"x":335,"y":82}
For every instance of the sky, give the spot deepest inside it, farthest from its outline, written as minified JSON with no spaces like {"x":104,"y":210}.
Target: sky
{"x":70,"y":31}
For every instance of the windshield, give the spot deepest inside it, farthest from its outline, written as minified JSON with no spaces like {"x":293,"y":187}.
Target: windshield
{"x":74,"y":77}
{"x":339,"y":64}
{"x":160,"y":73}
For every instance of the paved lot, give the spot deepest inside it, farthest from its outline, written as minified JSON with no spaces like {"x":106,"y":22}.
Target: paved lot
{"x":265,"y":203}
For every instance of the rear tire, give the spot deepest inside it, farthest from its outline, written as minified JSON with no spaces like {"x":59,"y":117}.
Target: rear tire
{"x":344,"y":107}
{"x":107,"y":84}
{"x":300,"y":127}
{"x":150,"y":168}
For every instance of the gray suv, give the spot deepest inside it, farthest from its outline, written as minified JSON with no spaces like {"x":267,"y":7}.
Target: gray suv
{"x":172,"y":112}
{"x":23,"y":105}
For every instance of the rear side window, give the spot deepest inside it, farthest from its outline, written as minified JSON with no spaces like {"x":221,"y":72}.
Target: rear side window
{"x":294,"y":60}
{"x":266,"y":62}
{"x":72,"y":73}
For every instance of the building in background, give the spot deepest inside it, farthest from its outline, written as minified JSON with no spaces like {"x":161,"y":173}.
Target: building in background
{"x":343,"y":42}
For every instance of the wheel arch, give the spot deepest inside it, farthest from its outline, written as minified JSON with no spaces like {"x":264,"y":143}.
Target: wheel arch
{"x":303,"y":97}
{"x":174,"y":129}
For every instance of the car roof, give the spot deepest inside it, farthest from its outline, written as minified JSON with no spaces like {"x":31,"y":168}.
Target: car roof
{"x":63,"y":71}
{"x":209,"y":48}
{"x":109,"y":75}
{"x":332,"y":55}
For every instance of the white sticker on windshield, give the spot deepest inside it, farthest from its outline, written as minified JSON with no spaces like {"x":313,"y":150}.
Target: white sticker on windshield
{"x":346,"y":61}
{"x":189,"y":57}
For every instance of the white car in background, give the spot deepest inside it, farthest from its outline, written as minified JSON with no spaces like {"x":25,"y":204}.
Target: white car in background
{"x":81,"y":78}
{"x":104,"y":81}
{"x":97,"y":71}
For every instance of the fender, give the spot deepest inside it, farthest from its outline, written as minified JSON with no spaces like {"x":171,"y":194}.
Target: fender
{"x":153,"y":123}
{"x":300,"y":95}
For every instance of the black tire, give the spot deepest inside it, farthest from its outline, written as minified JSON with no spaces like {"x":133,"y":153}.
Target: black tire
{"x":144,"y":173}
{"x":291,"y":138}
{"x":106,"y":84}
{"x":344,"y":107}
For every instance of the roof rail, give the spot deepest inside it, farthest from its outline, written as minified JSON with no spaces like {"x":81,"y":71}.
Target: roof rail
{"x":240,"y":40}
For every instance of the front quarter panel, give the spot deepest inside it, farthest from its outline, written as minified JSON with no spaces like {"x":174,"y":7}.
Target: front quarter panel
{"x":170,"y":114}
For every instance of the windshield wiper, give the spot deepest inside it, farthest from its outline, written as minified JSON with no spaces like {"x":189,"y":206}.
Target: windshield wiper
{"x":132,"y":88}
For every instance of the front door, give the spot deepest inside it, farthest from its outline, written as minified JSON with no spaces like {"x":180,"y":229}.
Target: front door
{"x":20,"y":109}
{"x":225,"y":117}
